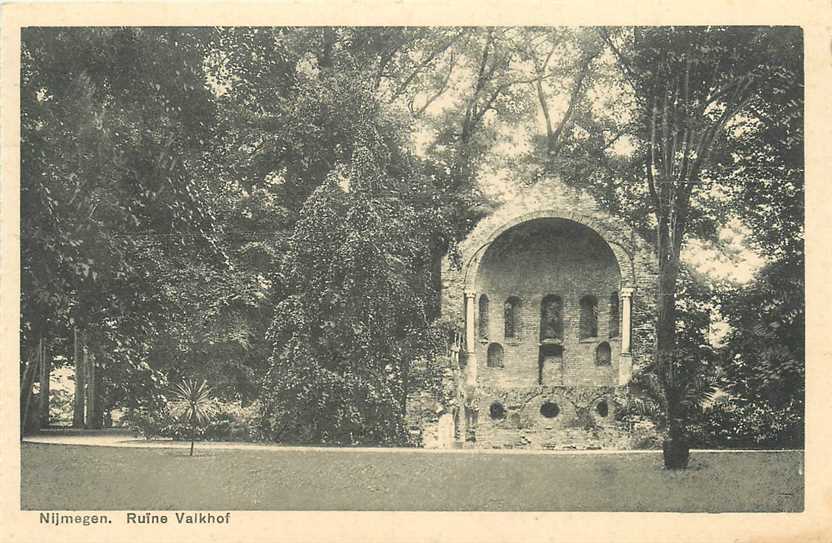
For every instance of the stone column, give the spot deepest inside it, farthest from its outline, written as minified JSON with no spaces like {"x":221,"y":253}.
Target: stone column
{"x":626,"y":304}
{"x":470,"y":386}
{"x":625,"y":362}
{"x":470,"y":335}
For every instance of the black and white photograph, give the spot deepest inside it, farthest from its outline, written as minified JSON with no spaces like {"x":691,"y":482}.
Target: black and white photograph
{"x":425,"y":268}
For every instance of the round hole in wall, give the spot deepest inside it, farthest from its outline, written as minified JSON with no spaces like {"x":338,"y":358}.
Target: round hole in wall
{"x":549,"y":410}
{"x":497,"y":411}
{"x":602,"y":408}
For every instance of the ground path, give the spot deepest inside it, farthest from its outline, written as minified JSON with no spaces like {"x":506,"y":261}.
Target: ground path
{"x":116,"y":471}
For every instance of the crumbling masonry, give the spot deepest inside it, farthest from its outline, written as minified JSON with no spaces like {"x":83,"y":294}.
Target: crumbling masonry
{"x":554,"y":302}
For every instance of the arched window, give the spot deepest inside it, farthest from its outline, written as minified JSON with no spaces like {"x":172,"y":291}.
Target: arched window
{"x":551,"y":317}
{"x":483,"y":317}
{"x":589,"y":317}
{"x":512,"y":317}
{"x":614,"y":314}
{"x":495,"y":356}
{"x":603,"y":354}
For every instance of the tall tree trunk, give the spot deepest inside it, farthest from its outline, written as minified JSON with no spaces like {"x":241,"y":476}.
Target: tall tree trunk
{"x":405,"y":387}
{"x":666,"y":321}
{"x":666,"y":338}
{"x":89,"y":380}
{"x":80,"y":374}
{"x":98,"y":404}
{"x":45,"y":375}
{"x":675,"y":447}
{"x":27,"y":382}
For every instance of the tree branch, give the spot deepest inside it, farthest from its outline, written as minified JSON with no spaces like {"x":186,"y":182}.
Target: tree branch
{"x":544,"y":106}
{"x":554,"y":143}
{"x":624,"y":66}
{"x":481,"y":113}
{"x":384,"y":60}
{"x":540,"y":70}
{"x":651,"y":162}
{"x":430,"y":58}
{"x":705,"y":148}
{"x":651,"y":185}
{"x":441,"y":90}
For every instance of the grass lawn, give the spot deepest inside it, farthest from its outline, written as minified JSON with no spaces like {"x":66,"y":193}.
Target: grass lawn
{"x":109,"y":478}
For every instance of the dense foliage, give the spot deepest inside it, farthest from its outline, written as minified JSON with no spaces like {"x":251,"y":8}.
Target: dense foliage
{"x":115,"y":128}
{"x":265,"y":208}
{"x":357,"y":315}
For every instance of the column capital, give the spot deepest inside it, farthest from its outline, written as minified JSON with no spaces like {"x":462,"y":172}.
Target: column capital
{"x":470,"y":294}
{"x":627,"y":292}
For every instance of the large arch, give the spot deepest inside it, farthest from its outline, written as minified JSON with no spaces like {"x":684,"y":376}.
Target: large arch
{"x":533,"y":261}
{"x":568,"y":362}
{"x":472,"y":258}
{"x":548,"y":198}
{"x":534,"y":364}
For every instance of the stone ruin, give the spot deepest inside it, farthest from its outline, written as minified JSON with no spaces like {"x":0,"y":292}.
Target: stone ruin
{"x":553,"y":301}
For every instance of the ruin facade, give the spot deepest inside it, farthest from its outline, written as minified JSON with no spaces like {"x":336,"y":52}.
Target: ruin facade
{"x":553,"y":300}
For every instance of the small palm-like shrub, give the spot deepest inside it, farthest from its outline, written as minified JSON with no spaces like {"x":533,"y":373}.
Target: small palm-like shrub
{"x":192,"y":404}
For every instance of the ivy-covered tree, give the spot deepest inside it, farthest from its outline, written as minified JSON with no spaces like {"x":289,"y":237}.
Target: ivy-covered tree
{"x":347,"y":338}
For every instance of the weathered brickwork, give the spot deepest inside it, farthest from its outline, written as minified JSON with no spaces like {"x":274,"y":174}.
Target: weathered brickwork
{"x":547,"y":392}
{"x":532,"y":260}
{"x":579,"y":414}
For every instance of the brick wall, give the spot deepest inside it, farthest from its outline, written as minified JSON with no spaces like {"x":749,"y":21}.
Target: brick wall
{"x":552,"y":239}
{"x":531,"y":261}
{"x":524,"y":426}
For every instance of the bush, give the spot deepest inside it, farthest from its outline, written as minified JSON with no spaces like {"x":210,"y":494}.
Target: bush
{"x":61,"y":406}
{"x":228,"y":422}
{"x":644,"y":434}
{"x":233,"y":422}
{"x":753,"y":425}
{"x":150,"y":423}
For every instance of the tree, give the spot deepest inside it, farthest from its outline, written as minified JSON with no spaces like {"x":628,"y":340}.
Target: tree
{"x":697,"y":365}
{"x":114,"y":124}
{"x":764,"y":354}
{"x":766,"y":345}
{"x":342,"y":365}
{"x":689,"y":85}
